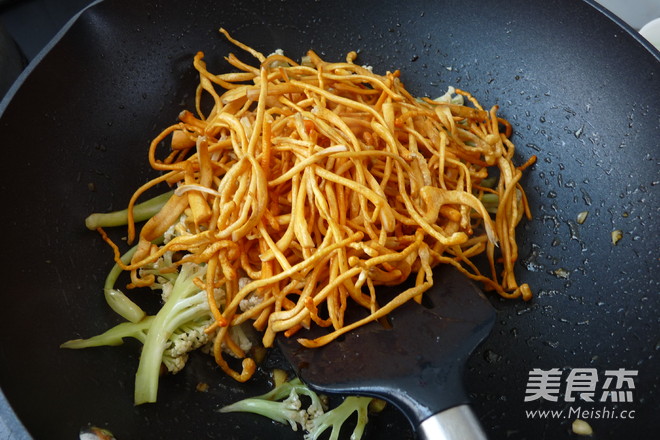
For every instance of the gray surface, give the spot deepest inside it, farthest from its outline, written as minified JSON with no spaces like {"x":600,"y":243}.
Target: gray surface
{"x":32,"y":23}
{"x":26,"y":27}
{"x":12,"y":61}
{"x":10,"y":427}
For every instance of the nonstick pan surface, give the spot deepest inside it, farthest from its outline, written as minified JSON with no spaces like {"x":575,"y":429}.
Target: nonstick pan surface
{"x":581,"y":89}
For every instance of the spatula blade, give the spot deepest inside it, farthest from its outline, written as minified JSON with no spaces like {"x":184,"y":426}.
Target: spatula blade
{"x":417,"y":364}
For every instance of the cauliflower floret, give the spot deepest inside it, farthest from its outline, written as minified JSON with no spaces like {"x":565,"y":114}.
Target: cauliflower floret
{"x":283,"y":404}
{"x":168,"y":336}
{"x":277,"y":52}
{"x":177,"y":229}
{"x":166,"y":290}
{"x":175,"y":364}
{"x":249,"y":302}
{"x":190,"y":338}
{"x":450,"y":97}
{"x":252,"y":299}
{"x":335,"y":418}
{"x":243,"y":281}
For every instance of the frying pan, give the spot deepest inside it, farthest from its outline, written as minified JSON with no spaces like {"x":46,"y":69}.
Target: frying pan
{"x":580,"y":88}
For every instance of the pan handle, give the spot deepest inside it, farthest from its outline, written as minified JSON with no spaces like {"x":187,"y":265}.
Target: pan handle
{"x":456,"y":423}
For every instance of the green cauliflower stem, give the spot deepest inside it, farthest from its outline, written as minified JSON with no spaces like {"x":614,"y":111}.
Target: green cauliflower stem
{"x":185,"y":304}
{"x":336,"y":417}
{"x":114,"y":336}
{"x":283,"y":405}
{"x":167,"y":337}
{"x":287,"y":411}
{"x":141,"y":211}
{"x":115,"y":298}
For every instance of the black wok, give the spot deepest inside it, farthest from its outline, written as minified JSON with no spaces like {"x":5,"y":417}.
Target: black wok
{"x":581,"y":89}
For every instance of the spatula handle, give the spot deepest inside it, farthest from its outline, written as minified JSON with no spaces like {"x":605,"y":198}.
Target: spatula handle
{"x":457,"y":423}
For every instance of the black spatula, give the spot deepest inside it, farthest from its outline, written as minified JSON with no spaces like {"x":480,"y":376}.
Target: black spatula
{"x":416,"y":365}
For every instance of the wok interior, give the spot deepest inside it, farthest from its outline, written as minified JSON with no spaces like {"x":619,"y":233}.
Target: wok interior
{"x":76,"y":141}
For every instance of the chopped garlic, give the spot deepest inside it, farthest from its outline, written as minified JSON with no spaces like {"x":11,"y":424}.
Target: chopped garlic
{"x":580,"y":427}
{"x":582,"y":216}
{"x":279,"y":377}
